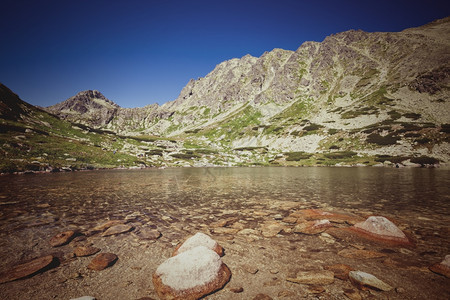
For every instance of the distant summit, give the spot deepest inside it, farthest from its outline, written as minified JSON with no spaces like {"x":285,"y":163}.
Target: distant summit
{"x":87,"y":107}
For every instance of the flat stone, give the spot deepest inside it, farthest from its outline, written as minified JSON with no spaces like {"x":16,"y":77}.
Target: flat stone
{"x":146,"y":233}
{"x":362,"y":279}
{"x":84,"y":298}
{"x":271,"y":229}
{"x":340,"y":271}
{"x":62,"y":238}
{"x":312,"y":227}
{"x":85,"y":251}
{"x":360,"y":254}
{"x":107,"y":225}
{"x":335,"y":217}
{"x":442,"y":268}
{"x":199,"y":239}
{"x":321,"y":277}
{"x":250,"y":269}
{"x":117,"y":229}
{"x":26,"y":269}
{"x":352,"y":294}
{"x":102,"y":261}
{"x":223,"y":223}
{"x":191,"y":274}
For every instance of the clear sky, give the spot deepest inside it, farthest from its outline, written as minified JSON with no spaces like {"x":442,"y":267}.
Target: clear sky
{"x":143,"y":52}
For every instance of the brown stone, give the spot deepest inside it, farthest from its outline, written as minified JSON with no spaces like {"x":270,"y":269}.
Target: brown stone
{"x":315,"y":289}
{"x":223,"y":223}
{"x":360,"y":254}
{"x":271,"y":229}
{"x":340,"y":270}
{"x":117,"y":229}
{"x":102,"y":261}
{"x":250,"y":269}
{"x":104,"y":226}
{"x":335,"y":217}
{"x":322,"y":277}
{"x":85,"y":251}
{"x":26,"y":269}
{"x":148,"y":234}
{"x":237,"y":290}
{"x":352,"y":294}
{"x":62,"y":238}
{"x":312,"y":227}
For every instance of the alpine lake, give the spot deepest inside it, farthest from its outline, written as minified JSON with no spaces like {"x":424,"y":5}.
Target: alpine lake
{"x":246,"y":210}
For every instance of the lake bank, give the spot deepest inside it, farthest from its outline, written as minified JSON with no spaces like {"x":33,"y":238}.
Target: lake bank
{"x":246,"y":210}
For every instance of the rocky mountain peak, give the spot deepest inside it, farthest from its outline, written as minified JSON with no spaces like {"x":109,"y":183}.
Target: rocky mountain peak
{"x":88,"y":107}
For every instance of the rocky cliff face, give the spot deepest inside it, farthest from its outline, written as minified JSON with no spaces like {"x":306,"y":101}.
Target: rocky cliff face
{"x":377,"y":93}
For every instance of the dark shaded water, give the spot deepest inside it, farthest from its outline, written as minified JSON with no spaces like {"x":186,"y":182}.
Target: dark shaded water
{"x":86,"y":197}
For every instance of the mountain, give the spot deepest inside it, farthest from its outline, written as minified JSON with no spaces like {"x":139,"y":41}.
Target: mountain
{"x":354,"y":98}
{"x":86,"y":107}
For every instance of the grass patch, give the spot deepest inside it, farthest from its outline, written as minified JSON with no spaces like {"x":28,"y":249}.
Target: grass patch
{"x":297,"y":156}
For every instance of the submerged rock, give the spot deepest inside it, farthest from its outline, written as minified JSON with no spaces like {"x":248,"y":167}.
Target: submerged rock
{"x":102,"y":261}
{"x":191,"y":274}
{"x":117,"y":229}
{"x":199,"y":239}
{"x":85,"y":251}
{"x":62,"y":238}
{"x":313,"y":277}
{"x":362,"y":279}
{"x":340,"y":271}
{"x":442,"y":268}
{"x":148,"y":234}
{"x":312,"y":227}
{"x":381,"y":229}
{"x":26,"y":269}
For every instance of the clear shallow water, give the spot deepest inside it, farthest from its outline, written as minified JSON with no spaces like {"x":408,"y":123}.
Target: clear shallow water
{"x":85,"y":197}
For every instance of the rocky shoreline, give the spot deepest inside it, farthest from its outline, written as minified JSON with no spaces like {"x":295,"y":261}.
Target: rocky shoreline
{"x":280,"y":251}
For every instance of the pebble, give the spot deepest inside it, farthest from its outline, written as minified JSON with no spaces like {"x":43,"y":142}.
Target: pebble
{"x":117,"y":229}
{"x":361,"y":279}
{"x":313,"y":277}
{"x":312,"y":227}
{"x":85,"y":251}
{"x":250,"y":269}
{"x":237,"y":290}
{"x":62,"y":238}
{"x":102,"y":261}
{"x":148,"y":234}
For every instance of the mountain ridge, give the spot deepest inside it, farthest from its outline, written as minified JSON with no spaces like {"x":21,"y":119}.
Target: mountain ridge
{"x":356,"y":98}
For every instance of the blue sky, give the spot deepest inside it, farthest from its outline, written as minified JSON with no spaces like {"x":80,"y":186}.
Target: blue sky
{"x":143,"y":52}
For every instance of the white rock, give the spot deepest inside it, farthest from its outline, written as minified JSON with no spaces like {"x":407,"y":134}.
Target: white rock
{"x":381,"y":226}
{"x":199,"y":239}
{"x":369,"y":280}
{"x":194,"y":267}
